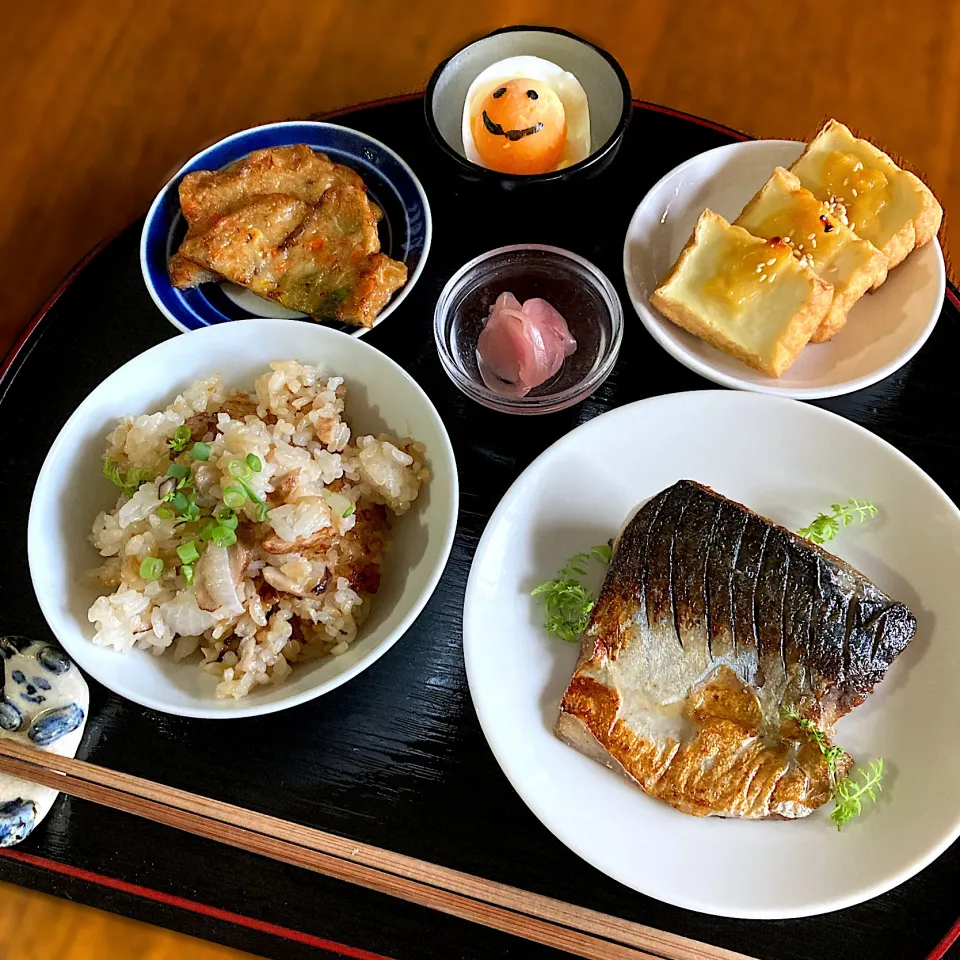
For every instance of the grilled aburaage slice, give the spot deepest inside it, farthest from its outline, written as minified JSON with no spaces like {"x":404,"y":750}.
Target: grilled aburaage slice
{"x":292,"y":226}
{"x":712,"y":624}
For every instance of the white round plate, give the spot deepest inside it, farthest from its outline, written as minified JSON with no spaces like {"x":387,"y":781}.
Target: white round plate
{"x":70,"y":491}
{"x":787,"y":461}
{"x":884,"y":330}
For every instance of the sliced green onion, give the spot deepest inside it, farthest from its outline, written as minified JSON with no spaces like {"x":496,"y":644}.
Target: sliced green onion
{"x":262,"y":510}
{"x":188,"y":552}
{"x":186,"y":571}
{"x":207,"y":528}
{"x":227,"y":518}
{"x":178,"y":470}
{"x":200,"y":451}
{"x":253,"y":461}
{"x":151,"y":568}
{"x":234,"y":497}
{"x":164,"y":513}
{"x":224,"y":536}
{"x":239,"y":469}
{"x":251,"y":493}
{"x":349,"y":512}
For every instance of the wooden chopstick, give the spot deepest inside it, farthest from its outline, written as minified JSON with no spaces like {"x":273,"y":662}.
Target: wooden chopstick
{"x":574,"y":929}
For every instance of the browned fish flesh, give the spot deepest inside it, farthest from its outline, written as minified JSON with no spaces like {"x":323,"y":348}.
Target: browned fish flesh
{"x":714,"y":624}
{"x":331,"y":267}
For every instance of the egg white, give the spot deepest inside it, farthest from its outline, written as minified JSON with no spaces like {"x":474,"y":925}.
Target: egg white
{"x":563,"y":83}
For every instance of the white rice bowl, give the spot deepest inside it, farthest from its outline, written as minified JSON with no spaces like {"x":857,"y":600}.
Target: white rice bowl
{"x":331,"y":432}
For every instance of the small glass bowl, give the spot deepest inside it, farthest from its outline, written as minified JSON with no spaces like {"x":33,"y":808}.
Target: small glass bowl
{"x":574,"y":286}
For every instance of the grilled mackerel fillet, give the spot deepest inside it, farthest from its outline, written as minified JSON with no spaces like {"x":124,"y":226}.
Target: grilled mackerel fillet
{"x":712,"y":623}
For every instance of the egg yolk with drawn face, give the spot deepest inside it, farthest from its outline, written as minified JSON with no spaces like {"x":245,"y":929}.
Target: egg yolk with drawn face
{"x":520,"y":128}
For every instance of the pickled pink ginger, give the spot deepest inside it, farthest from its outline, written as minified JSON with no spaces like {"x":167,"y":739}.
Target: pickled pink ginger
{"x":522,"y":346}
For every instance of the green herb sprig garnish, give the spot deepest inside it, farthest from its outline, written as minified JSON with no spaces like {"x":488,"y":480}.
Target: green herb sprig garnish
{"x":827,"y":525}
{"x":181,"y":437}
{"x":567,"y":604}
{"x":129,"y":481}
{"x":848,"y":793}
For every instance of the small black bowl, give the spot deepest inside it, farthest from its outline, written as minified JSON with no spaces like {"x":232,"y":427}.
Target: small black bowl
{"x":602,"y":78}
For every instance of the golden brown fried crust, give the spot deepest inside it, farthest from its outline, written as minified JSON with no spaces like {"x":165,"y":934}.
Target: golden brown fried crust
{"x":794,"y":338}
{"x":291,"y":226}
{"x":871,"y":274}
{"x":727,"y":765}
{"x":331,"y":267}
{"x":913,"y":233}
{"x":237,"y":244}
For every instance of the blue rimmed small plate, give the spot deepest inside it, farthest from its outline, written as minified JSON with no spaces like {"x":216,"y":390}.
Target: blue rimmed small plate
{"x":405,"y":231}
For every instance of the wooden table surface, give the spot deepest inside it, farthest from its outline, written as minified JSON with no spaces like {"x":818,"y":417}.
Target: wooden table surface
{"x":104,"y":100}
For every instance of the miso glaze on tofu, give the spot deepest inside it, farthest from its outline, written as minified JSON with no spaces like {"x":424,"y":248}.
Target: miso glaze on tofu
{"x":868,"y":192}
{"x":750,"y":298}
{"x":783,"y":208}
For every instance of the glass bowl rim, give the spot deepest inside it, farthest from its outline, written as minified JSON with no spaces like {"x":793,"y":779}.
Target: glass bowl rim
{"x":551,"y":402}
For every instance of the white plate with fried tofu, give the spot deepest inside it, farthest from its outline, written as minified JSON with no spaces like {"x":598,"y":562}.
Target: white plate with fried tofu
{"x":747,"y":264}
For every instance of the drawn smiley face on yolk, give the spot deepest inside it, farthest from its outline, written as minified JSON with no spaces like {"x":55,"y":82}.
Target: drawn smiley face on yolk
{"x":520,"y":128}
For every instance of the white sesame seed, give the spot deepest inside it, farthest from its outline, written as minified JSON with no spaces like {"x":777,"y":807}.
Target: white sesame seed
{"x":799,"y":246}
{"x":812,"y":236}
{"x":760,"y":268}
{"x":854,"y":191}
{"x":845,"y":182}
{"x":771,"y":261}
{"x":764,"y":277}
{"x":814,"y":244}
{"x":858,"y":166}
{"x":853,"y":226}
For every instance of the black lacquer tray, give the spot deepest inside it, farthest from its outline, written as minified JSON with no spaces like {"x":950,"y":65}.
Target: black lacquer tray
{"x":396,"y":757}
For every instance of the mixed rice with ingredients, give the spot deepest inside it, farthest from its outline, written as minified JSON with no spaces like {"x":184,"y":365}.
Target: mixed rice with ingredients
{"x":250,"y":527}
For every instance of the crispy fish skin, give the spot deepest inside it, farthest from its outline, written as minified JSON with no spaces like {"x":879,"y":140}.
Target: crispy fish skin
{"x":712,"y":621}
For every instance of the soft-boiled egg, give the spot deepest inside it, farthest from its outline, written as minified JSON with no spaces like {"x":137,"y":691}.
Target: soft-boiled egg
{"x":526,"y":115}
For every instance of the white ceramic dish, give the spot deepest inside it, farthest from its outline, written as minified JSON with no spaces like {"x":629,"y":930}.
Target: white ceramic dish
{"x":70,"y":491}
{"x":884,"y":330}
{"x":788,"y":461}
